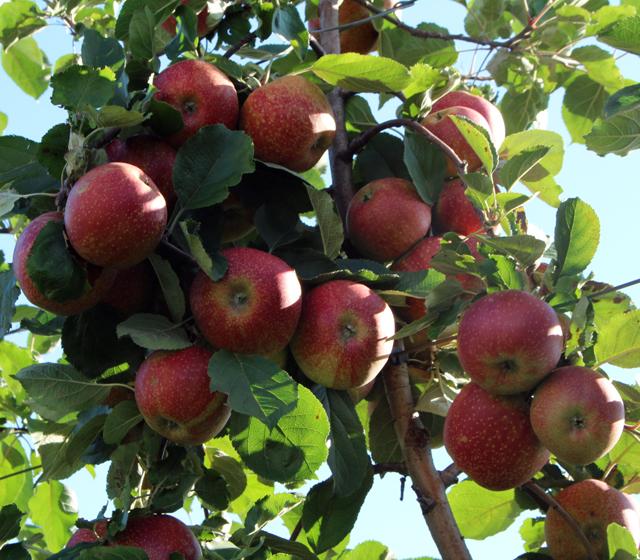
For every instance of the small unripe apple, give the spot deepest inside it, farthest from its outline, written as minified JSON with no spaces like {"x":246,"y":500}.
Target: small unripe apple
{"x":491,"y":439}
{"x":455,"y":212}
{"x":100,"y":279}
{"x":290,"y":122}
{"x":154,"y":156}
{"x":443,"y":127}
{"x":115,"y":215}
{"x":577,"y":414}
{"x":509,"y":341}
{"x":386,"y":218}
{"x":254,"y":308}
{"x":344,"y":336}
{"x":173,"y":395}
{"x":201,"y":93}
{"x":487,"y":109}
{"x":594,"y":505}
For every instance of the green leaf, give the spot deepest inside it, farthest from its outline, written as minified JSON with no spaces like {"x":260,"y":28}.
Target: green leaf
{"x":14,"y":551}
{"x":118,"y":117}
{"x":601,"y":66}
{"x":623,"y":35}
{"x":288,"y":24}
{"x":170,"y":286}
{"x":532,"y":533}
{"x":481,"y":513}
{"x":19,"y":19}
{"x":525,"y":249}
{"x":478,"y":138}
{"x":113,"y":553}
{"x":623,"y":100}
{"x":8,"y":199}
{"x":79,"y":86}
{"x":381,"y":157}
{"x":281,"y":545}
{"x":15,"y":488}
{"x":214,"y":265}
{"x":269,"y":508}
{"x":10,"y":517}
{"x":358,"y":114}
{"x":26,"y":64}
{"x":124,"y":416}
{"x":52,"y":508}
{"x":161,"y":10}
{"x":212,"y":488}
{"x":397,"y":44}
{"x":383,"y":442}
{"x":123,"y":475}
{"x":4,"y":120}
{"x":362,"y":73}
{"x":519,"y":165}
{"x":583,"y":103}
{"x":348,"y":458}
{"x":57,"y":389}
{"x":154,"y":332}
{"x":520,"y":109}
{"x":619,"y":341}
{"x":142,"y":41}
{"x":255,"y":385}
{"x":487,"y":19}
{"x":618,"y":134}
{"x":577,"y":235}
{"x":328,"y":518}
{"x":99,"y":51}
{"x":329,"y":222}
{"x":9,"y":293}
{"x":209,"y":163}
{"x":621,"y":543}
{"x":290,"y":452}
{"x":53,"y":148}
{"x":165,"y":118}
{"x":369,"y":550}
{"x":426,"y":166}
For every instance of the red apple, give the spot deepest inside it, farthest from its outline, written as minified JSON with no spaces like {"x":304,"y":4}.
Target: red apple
{"x":133,"y":290}
{"x":491,"y":439}
{"x":290,"y":122}
{"x":386,"y":218}
{"x":154,"y":156}
{"x":487,"y":109}
{"x":170,"y":24}
{"x":454,"y":211}
{"x":85,"y":535}
{"x":100,"y":279}
{"x":115,"y":215}
{"x":593,"y":504}
{"x":419,"y":258}
{"x":173,"y":395}
{"x":343,"y":339}
{"x":509,"y":341}
{"x":442,"y":126}
{"x":254,"y":309}
{"x":202,"y":93}
{"x":577,"y":414}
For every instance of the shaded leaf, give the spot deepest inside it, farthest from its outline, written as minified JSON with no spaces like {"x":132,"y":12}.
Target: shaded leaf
{"x":170,"y":286}
{"x":154,"y":332}
{"x":124,"y":416}
{"x":329,"y":222}
{"x":79,"y":86}
{"x":426,"y":165}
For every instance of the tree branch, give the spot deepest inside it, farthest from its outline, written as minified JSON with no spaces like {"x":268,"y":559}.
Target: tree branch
{"x":424,"y":34}
{"x":449,"y":476}
{"x":427,"y":482}
{"x":233,"y":49}
{"x":547,"y":499}
{"x":339,"y":158}
{"x":360,"y":141}
{"x":384,"y":468}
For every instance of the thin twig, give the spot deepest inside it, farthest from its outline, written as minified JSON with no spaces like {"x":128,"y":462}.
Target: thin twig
{"x":384,"y":468}
{"x":450,"y":475}
{"x":547,"y":499}
{"x":296,"y":531}
{"x":360,"y":141}
{"x":614,"y":288}
{"x":22,"y":471}
{"x":177,"y":252}
{"x":233,"y":49}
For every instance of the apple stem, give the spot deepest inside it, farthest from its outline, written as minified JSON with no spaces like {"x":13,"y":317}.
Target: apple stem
{"x":427,"y":482}
{"x":547,"y":499}
{"x":361,"y":140}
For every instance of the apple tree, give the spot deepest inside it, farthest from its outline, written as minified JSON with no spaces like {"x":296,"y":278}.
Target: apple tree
{"x":235,"y":270}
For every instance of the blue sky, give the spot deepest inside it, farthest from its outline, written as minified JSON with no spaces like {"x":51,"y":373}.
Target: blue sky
{"x":609,"y":184}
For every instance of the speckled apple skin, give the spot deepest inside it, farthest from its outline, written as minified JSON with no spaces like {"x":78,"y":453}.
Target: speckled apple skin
{"x":594,"y":505}
{"x":442,"y":126}
{"x":488,"y":110}
{"x":290,"y":122}
{"x":88,"y":535}
{"x":201,"y":92}
{"x":174,"y":386}
{"x":419,"y":258}
{"x":133,"y":290}
{"x":115,"y":215}
{"x":322,"y":348}
{"x":572,"y":392}
{"x":154,"y":156}
{"x":159,"y":536}
{"x":266,"y":318}
{"x":514,"y":327}
{"x":454,"y":211}
{"x":386,"y":218}
{"x":100,"y":279}
{"x":491,"y":439}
